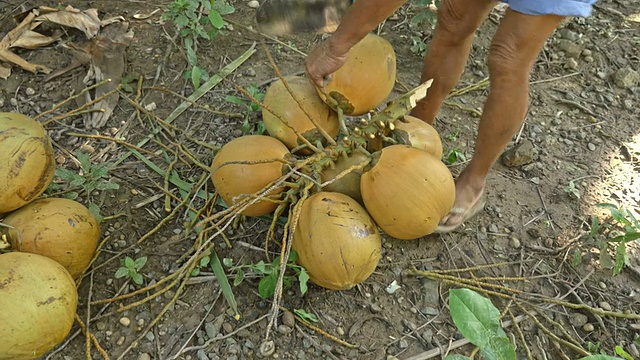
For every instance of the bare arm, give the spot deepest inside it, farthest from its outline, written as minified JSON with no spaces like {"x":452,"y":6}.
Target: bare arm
{"x":361,"y":19}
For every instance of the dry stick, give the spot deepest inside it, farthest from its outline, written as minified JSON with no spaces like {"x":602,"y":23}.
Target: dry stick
{"x":93,"y":338}
{"x":523,"y":341}
{"x":88,"y":337}
{"x":347,"y":172}
{"x":265,"y":35}
{"x":284,"y":255}
{"x":465,"y":282}
{"x":63,"y":102}
{"x":324,"y":134}
{"x":550,"y":334}
{"x":193,"y":103}
{"x":167,"y":173}
{"x":320,"y":331}
{"x":109,"y":138}
{"x":83,"y":109}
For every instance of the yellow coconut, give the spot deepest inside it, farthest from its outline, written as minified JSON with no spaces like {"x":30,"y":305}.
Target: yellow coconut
{"x":245,"y":166}
{"x":348,"y":184}
{"x":38,"y":301}
{"x":278,"y":100}
{"x":61,"y":229}
{"x":336,"y":240}
{"x":407,"y":191}
{"x":365,"y":80}
{"x":27,"y":165}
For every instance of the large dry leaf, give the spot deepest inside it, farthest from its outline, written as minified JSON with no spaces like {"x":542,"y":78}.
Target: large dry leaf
{"x":86,"y":21}
{"x":33,"y":40}
{"x":8,"y":56}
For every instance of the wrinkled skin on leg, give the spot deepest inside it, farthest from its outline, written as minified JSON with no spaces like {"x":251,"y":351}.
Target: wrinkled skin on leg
{"x":514,"y":48}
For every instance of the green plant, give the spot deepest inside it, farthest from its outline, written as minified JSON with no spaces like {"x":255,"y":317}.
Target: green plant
{"x":196,"y":19}
{"x":249,"y":107}
{"x":270,"y":272}
{"x":92,"y":177}
{"x":419,"y":47}
{"x":453,"y":156}
{"x":428,"y":12}
{"x":620,"y":228}
{"x":478,"y":320}
{"x":204,"y":261}
{"x":130,"y":268}
{"x":571,"y":189}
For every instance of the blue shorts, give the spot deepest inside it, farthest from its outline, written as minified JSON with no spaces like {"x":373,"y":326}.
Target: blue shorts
{"x":581,"y":8}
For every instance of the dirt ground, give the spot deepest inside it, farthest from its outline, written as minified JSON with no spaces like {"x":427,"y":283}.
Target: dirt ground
{"x":579,"y":146}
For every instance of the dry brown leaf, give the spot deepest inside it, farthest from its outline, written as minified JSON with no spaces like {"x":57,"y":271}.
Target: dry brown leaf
{"x":86,"y":21}
{"x":33,"y":40}
{"x":8,"y":56}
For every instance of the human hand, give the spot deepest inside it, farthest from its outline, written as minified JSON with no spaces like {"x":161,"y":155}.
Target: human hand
{"x":322,"y":62}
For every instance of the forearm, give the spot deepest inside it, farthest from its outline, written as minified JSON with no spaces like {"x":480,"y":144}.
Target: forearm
{"x":361,"y":19}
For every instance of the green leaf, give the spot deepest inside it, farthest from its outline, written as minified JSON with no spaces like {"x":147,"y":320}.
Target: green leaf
{"x":235,"y":100}
{"x":457,"y":357}
{"x":95,"y":211}
{"x":129,"y":263}
{"x":122,"y":272}
{"x":303,"y":278}
{"x":218,"y":271}
{"x":599,"y":357}
{"x":137,"y":278}
{"x":307,"y":316}
{"x":629,"y":237}
{"x":475,"y":316}
{"x":267,"y":286}
{"x":72,"y":195}
{"x":195,"y":76}
{"x":228,"y":262}
{"x":620,"y":351}
{"x":216,"y":20}
{"x":223,"y":7}
{"x":499,"y":348}
{"x":106,"y":185}
{"x":205,"y":261}
{"x":261,"y":267}
{"x":195,"y":271}
{"x":620,"y":258}
{"x":139,"y":263}
{"x":239,"y":277}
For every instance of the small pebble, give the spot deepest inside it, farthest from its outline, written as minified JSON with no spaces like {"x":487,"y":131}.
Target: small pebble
{"x":29,"y":91}
{"x":605,"y":306}
{"x":578,"y":319}
{"x":227,"y":327}
{"x":284,"y":329}
{"x":602,"y":285}
{"x":288,"y":319}
{"x":120,"y":341}
{"x":254,"y":4}
{"x":588,"y":327}
{"x":125,"y":321}
{"x":375,"y":308}
{"x":144,"y":356}
{"x":150,"y":336}
{"x":591,"y":146}
{"x":267,"y":348}
{"x":340,"y":330}
{"x":87,"y":149}
{"x":514,"y":242}
{"x":571,"y":64}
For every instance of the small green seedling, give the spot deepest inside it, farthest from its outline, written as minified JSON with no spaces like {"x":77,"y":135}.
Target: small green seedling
{"x":572,"y":190}
{"x":270,"y":272}
{"x":249,"y":107}
{"x":453,"y":156}
{"x":428,"y":12}
{"x":419,"y":47}
{"x":131,"y":269}
{"x":92,"y":177}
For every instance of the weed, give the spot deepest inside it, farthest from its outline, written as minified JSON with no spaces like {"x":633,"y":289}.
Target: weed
{"x":620,"y":228}
{"x":249,"y":107}
{"x":427,"y":13}
{"x":204,"y":261}
{"x":92,"y":177}
{"x":194,"y":20}
{"x":270,"y":272}
{"x":478,"y":320}
{"x":419,"y":47}
{"x":571,"y":189}
{"x":453,"y":156}
{"x":131,"y":269}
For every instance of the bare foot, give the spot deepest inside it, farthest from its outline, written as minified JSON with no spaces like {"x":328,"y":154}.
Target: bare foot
{"x":469,"y":201}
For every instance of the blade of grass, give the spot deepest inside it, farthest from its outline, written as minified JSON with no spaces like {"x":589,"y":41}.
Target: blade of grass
{"x":218,"y":271}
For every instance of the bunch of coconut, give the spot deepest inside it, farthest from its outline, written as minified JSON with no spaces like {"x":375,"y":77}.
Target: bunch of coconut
{"x":52,"y":241}
{"x":341,"y":174}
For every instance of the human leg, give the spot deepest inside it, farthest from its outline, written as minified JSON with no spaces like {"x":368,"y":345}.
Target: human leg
{"x":514,"y":48}
{"x":449,"y":50}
